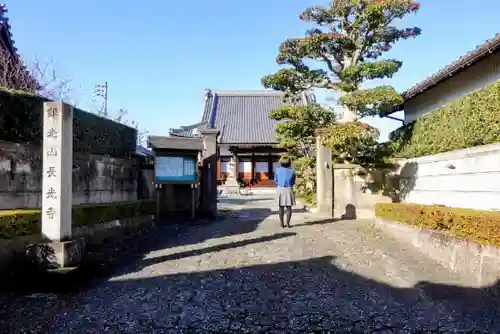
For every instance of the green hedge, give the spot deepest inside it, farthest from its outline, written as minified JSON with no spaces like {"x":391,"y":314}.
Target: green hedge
{"x":14,"y":223}
{"x":482,"y":227}
{"x":469,"y":121}
{"x":21,"y":122}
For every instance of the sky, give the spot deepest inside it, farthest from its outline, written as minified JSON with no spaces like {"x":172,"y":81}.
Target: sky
{"x":159,"y":57}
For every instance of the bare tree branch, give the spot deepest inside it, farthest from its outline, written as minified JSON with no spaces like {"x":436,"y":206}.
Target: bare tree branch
{"x":141,"y":132}
{"x":38,"y":77}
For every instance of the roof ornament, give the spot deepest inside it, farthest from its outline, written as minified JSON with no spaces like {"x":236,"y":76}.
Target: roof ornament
{"x":3,"y":10}
{"x":208,"y":92}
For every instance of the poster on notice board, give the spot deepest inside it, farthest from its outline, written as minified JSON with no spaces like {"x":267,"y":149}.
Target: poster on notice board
{"x":175,"y":168}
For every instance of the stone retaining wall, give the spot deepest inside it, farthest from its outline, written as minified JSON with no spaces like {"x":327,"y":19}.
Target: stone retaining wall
{"x":96,"y":179}
{"x":478,"y":264}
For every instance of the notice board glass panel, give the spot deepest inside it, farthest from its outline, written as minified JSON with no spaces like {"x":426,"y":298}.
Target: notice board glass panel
{"x":175,"y":168}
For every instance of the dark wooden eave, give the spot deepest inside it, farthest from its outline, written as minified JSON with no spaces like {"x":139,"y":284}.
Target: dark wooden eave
{"x":270,"y":148}
{"x":250,"y":145}
{"x":175,"y":143}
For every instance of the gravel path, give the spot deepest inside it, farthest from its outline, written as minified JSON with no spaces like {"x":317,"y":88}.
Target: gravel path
{"x":247,"y":274}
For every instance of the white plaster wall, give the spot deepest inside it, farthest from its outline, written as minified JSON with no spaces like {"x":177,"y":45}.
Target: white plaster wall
{"x":468,"y":178}
{"x":224,"y":166}
{"x":261,"y":166}
{"x":475,"y":77}
{"x":245,"y":166}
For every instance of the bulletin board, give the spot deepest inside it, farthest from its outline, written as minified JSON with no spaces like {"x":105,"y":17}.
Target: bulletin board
{"x":175,"y":168}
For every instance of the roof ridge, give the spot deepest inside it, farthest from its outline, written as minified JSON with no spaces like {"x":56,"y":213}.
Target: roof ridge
{"x":248,"y":93}
{"x":4,"y":24}
{"x":489,"y":46}
{"x":177,"y":137}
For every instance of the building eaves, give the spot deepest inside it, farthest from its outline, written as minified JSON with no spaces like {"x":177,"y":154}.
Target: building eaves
{"x":175,"y":143}
{"x":479,"y":53}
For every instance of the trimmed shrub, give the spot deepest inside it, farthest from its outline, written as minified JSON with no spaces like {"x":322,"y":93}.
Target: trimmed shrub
{"x":15,"y":223}
{"x":482,"y":227}
{"x":21,"y":122}
{"x":472,"y":120}
{"x":305,"y":183}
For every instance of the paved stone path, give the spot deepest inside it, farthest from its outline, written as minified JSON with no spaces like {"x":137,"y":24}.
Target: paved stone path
{"x":248,"y":274}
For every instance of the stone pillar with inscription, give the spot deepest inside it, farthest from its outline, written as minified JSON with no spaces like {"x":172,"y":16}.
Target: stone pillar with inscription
{"x":57,"y":156}
{"x":57,"y":170}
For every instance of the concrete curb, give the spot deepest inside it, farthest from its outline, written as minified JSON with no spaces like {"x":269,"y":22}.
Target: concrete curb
{"x":479,"y":264}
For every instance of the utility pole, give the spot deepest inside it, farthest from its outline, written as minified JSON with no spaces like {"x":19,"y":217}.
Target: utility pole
{"x":102,"y":91}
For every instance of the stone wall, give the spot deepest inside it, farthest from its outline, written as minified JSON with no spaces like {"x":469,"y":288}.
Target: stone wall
{"x":468,"y":178}
{"x":96,"y":179}
{"x":146,"y":185}
{"x":355,"y":196}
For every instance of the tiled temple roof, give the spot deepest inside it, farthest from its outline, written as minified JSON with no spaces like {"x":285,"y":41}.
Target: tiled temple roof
{"x":241,"y":116}
{"x":6,"y":40}
{"x":479,"y":53}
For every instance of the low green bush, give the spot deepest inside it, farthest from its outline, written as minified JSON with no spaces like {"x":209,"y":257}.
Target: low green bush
{"x":14,"y":223}
{"x":482,"y":227}
{"x":469,"y":121}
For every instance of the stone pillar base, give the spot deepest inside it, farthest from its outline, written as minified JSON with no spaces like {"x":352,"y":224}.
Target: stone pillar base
{"x":56,"y":254}
{"x":230,"y":190}
{"x":230,"y":187}
{"x":231,"y":181}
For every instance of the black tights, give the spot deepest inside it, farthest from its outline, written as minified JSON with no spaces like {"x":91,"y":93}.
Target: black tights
{"x":285,"y":210}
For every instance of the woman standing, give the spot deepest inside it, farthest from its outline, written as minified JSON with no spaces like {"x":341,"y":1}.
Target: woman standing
{"x":284,"y":178}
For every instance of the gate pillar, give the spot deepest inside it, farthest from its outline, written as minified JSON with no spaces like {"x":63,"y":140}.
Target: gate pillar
{"x":324,"y":177}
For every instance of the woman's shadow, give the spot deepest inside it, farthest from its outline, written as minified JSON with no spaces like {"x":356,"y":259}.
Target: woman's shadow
{"x":350,"y":212}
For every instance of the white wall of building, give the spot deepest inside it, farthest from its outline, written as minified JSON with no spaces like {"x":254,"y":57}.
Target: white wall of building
{"x":475,"y":77}
{"x":468,"y":178}
{"x":261,"y":167}
{"x":245,"y":165}
{"x":224,"y":166}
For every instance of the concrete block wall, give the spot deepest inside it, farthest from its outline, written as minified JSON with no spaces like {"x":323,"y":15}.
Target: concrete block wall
{"x":468,"y":178}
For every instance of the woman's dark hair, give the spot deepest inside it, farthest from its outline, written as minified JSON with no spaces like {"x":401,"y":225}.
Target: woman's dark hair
{"x":285,"y":162}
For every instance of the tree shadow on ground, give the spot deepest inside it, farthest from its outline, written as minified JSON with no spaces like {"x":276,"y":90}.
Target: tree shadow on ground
{"x":241,"y":200}
{"x":101,"y":259}
{"x":301,"y":296}
{"x":324,"y":221}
